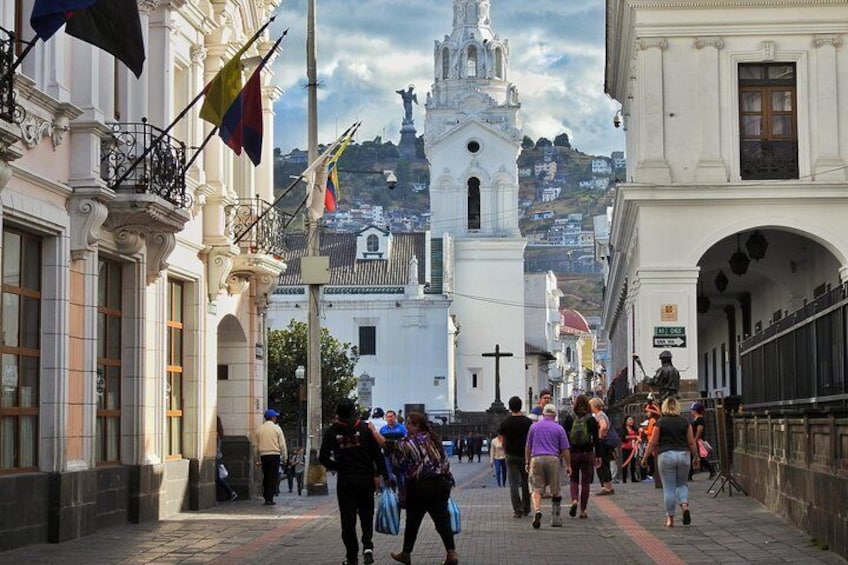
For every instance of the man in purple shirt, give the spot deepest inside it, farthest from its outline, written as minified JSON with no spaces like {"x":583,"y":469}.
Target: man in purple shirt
{"x":547,"y":447}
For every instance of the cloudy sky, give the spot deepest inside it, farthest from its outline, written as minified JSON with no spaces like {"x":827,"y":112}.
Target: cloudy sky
{"x":368,"y":49}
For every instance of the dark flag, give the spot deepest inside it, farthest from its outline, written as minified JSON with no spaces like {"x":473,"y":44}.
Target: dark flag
{"x":111,"y":25}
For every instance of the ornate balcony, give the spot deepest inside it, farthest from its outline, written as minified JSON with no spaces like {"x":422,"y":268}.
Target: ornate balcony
{"x":258,"y":227}
{"x":161,"y":173}
{"x":7,"y":76}
{"x":769,"y":160}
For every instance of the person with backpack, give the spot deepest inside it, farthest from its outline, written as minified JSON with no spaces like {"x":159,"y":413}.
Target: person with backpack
{"x":350,"y":449}
{"x":582,"y":430}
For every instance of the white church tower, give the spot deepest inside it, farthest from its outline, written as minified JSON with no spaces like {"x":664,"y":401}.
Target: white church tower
{"x":472,"y":140}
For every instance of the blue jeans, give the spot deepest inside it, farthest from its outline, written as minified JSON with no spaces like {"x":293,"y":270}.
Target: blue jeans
{"x":674,"y":471}
{"x":500,"y":472}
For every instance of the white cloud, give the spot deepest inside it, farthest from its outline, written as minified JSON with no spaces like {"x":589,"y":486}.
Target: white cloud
{"x":368,"y":49}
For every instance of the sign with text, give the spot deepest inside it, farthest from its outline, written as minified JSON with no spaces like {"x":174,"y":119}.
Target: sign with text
{"x":669,"y":331}
{"x":679,"y":341}
{"x":668,"y":312}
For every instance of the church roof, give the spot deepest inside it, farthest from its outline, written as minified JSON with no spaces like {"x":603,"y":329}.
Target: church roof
{"x":345,"y":270}
{"x":572,"y":322}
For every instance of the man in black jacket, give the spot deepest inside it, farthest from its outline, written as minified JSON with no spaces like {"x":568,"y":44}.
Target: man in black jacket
{"x":349,"y":449}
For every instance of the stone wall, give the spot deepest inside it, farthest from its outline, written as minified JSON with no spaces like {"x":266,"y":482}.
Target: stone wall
{"x":796,"y":464}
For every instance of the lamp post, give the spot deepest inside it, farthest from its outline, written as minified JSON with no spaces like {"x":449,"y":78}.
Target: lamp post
{"x":299,"y":374}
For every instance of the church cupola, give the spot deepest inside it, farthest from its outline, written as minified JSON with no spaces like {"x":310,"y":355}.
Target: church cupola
{"x":472,"y":50}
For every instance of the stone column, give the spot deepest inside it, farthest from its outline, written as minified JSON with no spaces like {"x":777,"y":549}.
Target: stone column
{"x":711,"y":168}
{"x":652,"y":167}
{"x":827,"y":133}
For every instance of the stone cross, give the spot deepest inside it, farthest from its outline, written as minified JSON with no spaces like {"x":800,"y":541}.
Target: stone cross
{"x":497,"y":405}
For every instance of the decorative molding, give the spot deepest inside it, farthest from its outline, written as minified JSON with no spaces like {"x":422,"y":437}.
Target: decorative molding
{"x":129,"y":242}
{"x":727,"y":3}
{"x":835,"y":40}
{"x":702,"y":42}
{"x":5,"y":174}
{"x":147,"y":6}
{"x":87,"y":216}
{"x":768,"y":50}
{"x":658,"y":42}
{"x":159,"y":248}
{"x":219,"y":265}
{"x":266,"y":283}
{"x":198,"y":54}
{"x":237,"y":283}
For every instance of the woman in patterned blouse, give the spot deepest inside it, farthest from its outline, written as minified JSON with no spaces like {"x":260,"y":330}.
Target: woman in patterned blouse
{"x":421,"y":459}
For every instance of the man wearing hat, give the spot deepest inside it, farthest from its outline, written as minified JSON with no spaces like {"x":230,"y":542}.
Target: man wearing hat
{"x":270,"y":449}
{"x":546,"y":449}
{"x":667,"y":377}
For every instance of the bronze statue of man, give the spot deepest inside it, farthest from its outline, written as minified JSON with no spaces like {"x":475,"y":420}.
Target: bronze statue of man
{"x":408,"y":97}
{"x":667,"y":377}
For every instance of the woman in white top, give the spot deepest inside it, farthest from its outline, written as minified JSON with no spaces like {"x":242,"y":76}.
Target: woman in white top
{"x":497,"y":459}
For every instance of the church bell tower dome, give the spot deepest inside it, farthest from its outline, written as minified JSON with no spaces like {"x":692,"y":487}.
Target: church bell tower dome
{"x":472,"y":50}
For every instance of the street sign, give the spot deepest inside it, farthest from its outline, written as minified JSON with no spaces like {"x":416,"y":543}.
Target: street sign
{"x":679,"y":341}
{"x":669,"y":330}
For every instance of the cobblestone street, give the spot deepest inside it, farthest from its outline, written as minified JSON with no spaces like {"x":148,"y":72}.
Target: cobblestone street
{"x":624,"y":528}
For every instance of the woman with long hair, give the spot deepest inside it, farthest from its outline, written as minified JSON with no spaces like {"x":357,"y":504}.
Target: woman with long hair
{"x":421,"y":459}
{"x":673,"y":438}
{"x":629,"y":442}
{"x":582,"y":431}
{"x":607,"y":453}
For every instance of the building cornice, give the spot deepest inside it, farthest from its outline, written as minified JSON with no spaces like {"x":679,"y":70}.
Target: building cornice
{"x":696,"y":4}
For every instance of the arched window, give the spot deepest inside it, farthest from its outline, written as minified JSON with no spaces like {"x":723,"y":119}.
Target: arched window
{"x":445,"y":63}
{"x":568,"y":354}
{"x":499,"y":63}
{"x":471,"y":63}
{"x":474,"y":203}
{"x":372,"y":244}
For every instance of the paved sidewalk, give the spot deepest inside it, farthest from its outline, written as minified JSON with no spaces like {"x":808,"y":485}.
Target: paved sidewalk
{"x":622,"y":529}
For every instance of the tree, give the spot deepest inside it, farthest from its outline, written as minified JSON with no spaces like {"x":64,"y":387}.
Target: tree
{"x":286,"y":351}
{"x":527,"y":142}
{"x":562,"y":140}
{"x":543,"y":142}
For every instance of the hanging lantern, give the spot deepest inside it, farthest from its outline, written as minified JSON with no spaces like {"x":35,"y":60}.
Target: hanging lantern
{"x":721,"y":281}
{"x":739,"y":261}
{"x":756,"y":244}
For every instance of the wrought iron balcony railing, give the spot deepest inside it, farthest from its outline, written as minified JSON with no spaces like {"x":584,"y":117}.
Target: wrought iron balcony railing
{"x":769,"y":160}
{"x":7,"y":75}
{"x":161,"y":172}
{"x":258,"y":226}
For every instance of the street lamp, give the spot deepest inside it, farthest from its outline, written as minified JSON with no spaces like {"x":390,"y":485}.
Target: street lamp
{"x":300,"y":374}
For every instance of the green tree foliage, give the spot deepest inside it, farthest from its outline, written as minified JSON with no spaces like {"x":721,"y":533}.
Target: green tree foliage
{"x":543,"y":142}
{"x":562,"y":140}
{"x":527,"y":143}
{"x":287,"y":350}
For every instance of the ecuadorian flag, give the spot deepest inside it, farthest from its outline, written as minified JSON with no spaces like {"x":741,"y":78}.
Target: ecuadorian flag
{"x":331,"y":195}
{"x":223,"y":90}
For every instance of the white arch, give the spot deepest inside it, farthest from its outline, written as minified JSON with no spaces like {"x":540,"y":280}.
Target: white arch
{"x":817,"y":233}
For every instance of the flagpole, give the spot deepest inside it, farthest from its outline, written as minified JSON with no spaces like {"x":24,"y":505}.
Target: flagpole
{"x":185,"y":110}
{"x":24,"y":53}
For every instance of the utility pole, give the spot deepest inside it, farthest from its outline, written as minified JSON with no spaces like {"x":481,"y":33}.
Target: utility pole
{"x":316,"y":475}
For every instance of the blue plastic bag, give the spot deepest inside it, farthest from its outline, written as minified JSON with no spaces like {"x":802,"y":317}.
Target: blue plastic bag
{"x":387,"y":520}
{"x":455,"y":518}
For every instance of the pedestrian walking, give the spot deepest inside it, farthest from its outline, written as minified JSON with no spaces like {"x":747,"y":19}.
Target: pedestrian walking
{"x":582,"y":429}
{"x":513,"y":434}
{"x":545,"y":451}
{"x":497,"y":459}
{"x":460,"y":448}
{"x":297,"y":465}
{"x":629,"y":440}
{"x":270,"y":451}
{"x":225,"y":491}
{"x":606,"y":451}
{"x":349,"y":448}
{"x":421,"y":459}
{"x":698,"y":428}
{"x":672,"y":439}
{"x":545,"y":398}
{"x":478,"y":447}
{"x":393,"y":430}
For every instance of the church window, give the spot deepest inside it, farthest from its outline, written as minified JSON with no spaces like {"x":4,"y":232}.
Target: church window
{"x":474,"y":203}
{"x":367,"y":340}
{"x":20,"y":396}
{"x":568,"y":354}
{"x":473,"y":380}
{"x":445,"y":63}
{"x":372,"y":244}
{"x":471,"y":62}
{"x":768,"y":121}
{"x":499,"y":63}
{"x":473,"y":146}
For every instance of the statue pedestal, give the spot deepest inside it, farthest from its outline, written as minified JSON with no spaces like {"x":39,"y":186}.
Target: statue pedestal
{"x":406,"y":148}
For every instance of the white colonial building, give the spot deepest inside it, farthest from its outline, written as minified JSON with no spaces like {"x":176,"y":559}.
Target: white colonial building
{"x":472,"y":140}
{"x":132,"y":316}
{"x":542,"y":332}
{"x":731,"y":227}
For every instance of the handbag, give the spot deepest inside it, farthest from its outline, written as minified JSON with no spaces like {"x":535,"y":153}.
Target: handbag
{"x":387,"y":520}
{"x":704,"y":448}
{"x":612,"y":439}
{"x":222,"y":471}
{"x":455,"y":518}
